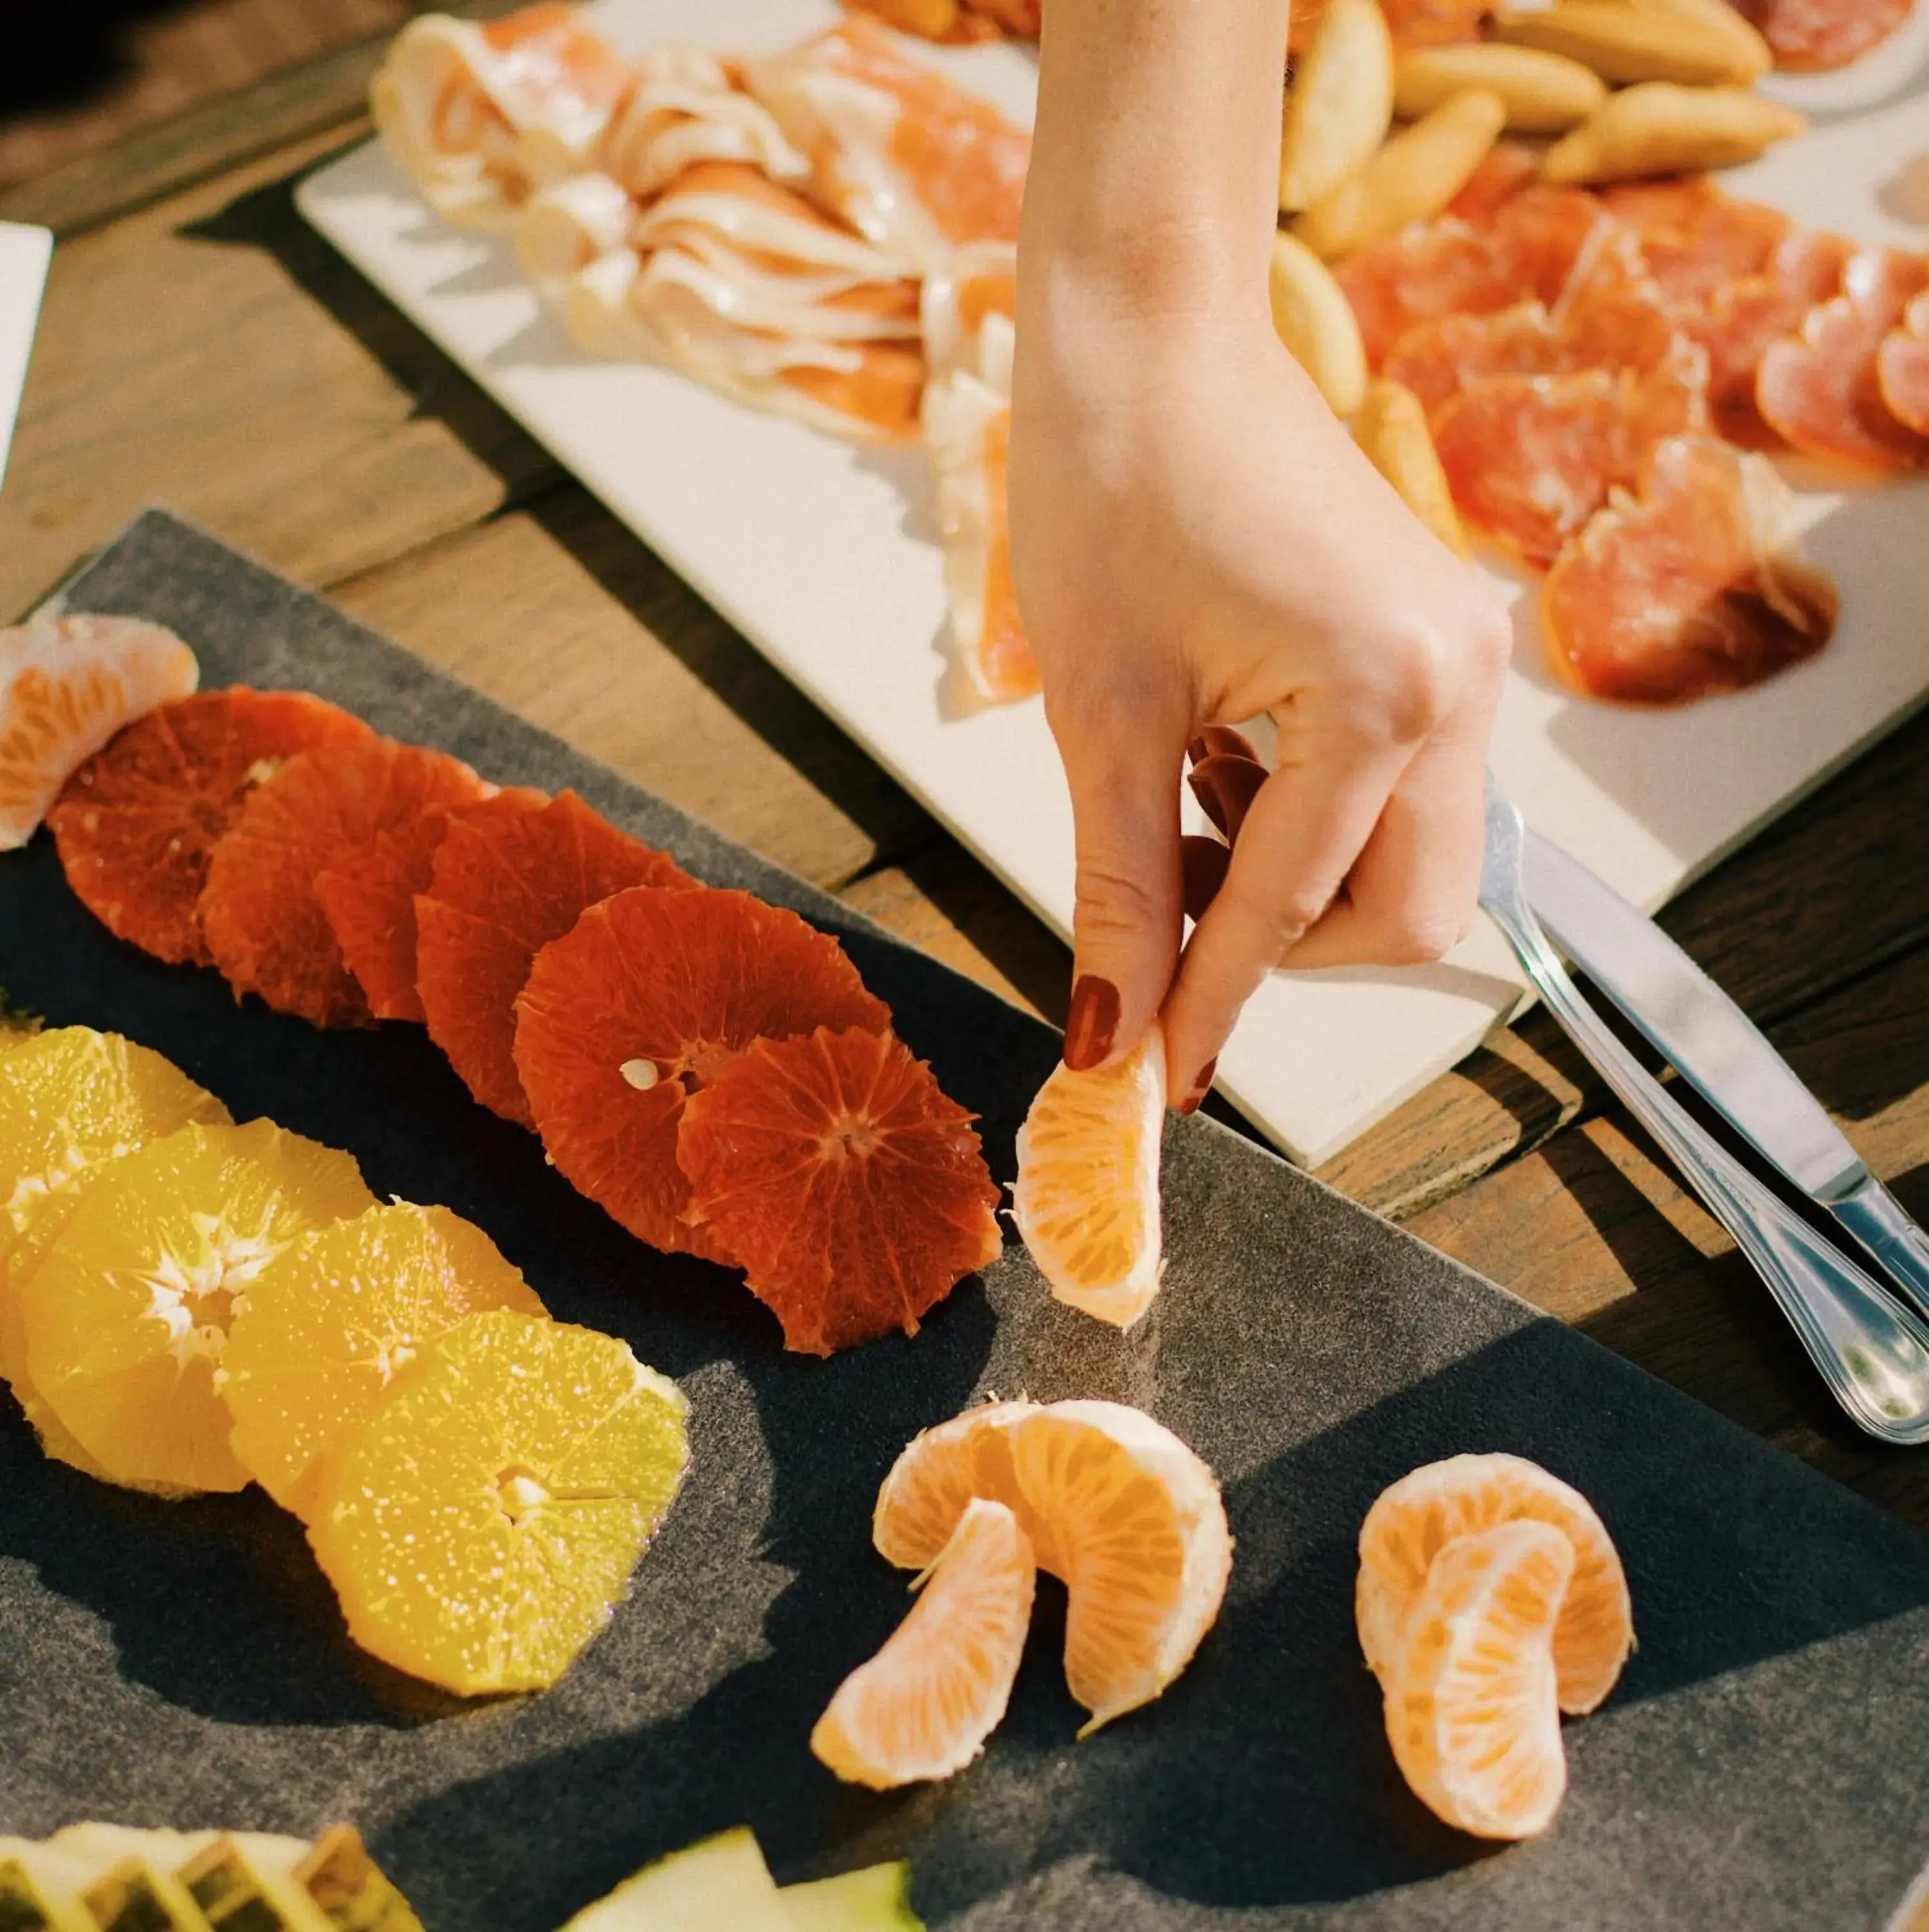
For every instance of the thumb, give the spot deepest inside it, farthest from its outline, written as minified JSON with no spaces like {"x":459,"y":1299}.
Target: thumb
{"x":1124,"y":773}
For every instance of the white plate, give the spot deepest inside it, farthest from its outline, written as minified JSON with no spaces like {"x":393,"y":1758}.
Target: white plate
{"x":825,"y":557}
{"x":25,"y":254}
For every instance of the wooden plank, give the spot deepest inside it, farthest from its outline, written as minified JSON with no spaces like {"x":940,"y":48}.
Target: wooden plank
{"x":1820,"y":898}
{"x":213,"y":354}
{"x":557,"y":611}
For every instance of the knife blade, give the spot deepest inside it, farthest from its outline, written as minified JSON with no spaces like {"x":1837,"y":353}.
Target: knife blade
{"x":1714,"y":1046}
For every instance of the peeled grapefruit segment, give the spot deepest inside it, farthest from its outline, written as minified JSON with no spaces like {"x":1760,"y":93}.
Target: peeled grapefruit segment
{"x":331,"y":1321}
{"x":263,"y":923}
{"x":1414,"y":1520}
{"x":1086,"y":1200}
{"x":844,"y":1183}
{"x":923,"y":1707}
{"x":135,"y":825}
{"x":66,"y":685}
{"x":507,"y":880}
{"x":643,"y":1002}
{"x":1470,"y":1708}
{"x":127,"y":1314}
{"x":481,"y":1523}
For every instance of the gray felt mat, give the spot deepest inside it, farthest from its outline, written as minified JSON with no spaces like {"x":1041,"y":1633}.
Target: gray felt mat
{"x":1765,"y":1762}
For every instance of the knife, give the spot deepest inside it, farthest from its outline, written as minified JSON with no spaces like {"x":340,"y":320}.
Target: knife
{"x":1714,"y":1046}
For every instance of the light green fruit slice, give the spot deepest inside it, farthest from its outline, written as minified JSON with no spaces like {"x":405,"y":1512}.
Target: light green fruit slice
{"x":716,"y":1882}
{"x":877,"y":1899}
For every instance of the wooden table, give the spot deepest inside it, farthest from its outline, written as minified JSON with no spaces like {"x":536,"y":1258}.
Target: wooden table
{"x":203,"y":349}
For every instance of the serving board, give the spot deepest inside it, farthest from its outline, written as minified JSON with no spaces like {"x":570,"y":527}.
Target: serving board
{"x":826,"y":558}
{"x":1765,"y":1761}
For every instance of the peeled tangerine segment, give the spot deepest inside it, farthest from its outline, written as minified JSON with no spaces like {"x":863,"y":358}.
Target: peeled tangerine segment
{"x":71,"y":1099}
{"x":1127,"y":1516}
{"x":330,"y":1323}
{"x":1471,"y":1712}
{"x":481,"y":1523}
{"x":923,"y":1707}
{"x":127,"y":1314}
{"x":1087,"y":1196}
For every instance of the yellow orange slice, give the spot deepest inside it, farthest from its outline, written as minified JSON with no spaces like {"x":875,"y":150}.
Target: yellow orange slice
{"x":127,"y":1313}
{"x":481,"y":1523}
{"x":923,"y":1707}
{"x":71,"y":1099}
{"x":1471,"y":1709}
{"x":1415,"y":1518}
{"x":1086,"y":1199}
{"x":329,"y":1322}
{"x":66,"y":685}
{"x":1116,"y":1506}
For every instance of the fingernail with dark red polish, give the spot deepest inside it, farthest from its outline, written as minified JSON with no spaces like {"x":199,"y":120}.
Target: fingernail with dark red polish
{"x":1092,"y":1023}
{"x":1202,"y":866}
{"x":1225,"y":787}
{"x":1220,"y":741}
{"x":1200,"y":1087}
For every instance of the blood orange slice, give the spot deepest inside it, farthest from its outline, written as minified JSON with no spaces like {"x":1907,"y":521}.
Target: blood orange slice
{"x":507,"y":880}
{"x":135,"y":825}
{"x":845,"y":1184}
{"x":645,"y":1001}
{"x":263,"y":922}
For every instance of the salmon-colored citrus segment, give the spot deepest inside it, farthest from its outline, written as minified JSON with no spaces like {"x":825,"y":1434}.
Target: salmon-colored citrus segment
{"x":1471,"y":1709}
{"x":923,"y":1707}
{"x":1419,"y":1515}
{"x":331,"y":1321}
{"x":645,"y":1001}
{"x":66,"y":685}
{"x":127,"y":1313}
{"x":849,"y":1188}
{"x":71,"y":1099}
{"x":1087,"y":1196}
{"x":481,"y":1523}
{"x":507,"y":880}
{"x":938,"y":1474}
{"x":135,"y":825}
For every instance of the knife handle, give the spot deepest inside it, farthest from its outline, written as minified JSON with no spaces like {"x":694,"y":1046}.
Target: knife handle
{"x":1883,"y":1225}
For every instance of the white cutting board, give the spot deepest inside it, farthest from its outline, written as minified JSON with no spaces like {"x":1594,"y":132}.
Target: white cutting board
{"x":825,"y":557}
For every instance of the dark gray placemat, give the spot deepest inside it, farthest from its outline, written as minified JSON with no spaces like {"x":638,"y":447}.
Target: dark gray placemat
{"x":1765,"y":1762}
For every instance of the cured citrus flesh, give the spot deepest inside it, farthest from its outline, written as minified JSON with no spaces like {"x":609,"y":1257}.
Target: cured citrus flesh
{"x":1820,"y":35}
{"x":71,"y":1100}
{"x":263,"y":921}
{"x":848,"y":1188}
{"x":332,"y":1320}
{"x":482,"y":1522}
{"x":507,"y":880}
{"x":1433,"y":23}
{"x":1086,"y":1199}
{"x":135,"y":825}
{"x":1902,"y":368}
{"x":1698,"y":586}
{"x":128,"y":1311}
{"x":368,"y":897}
{"x":923,"y":1707}
{"x":1414,"y":1520}
{"x":645,"y":1001}
{"x":66,"y":685}
{"x":1115,"y":1506}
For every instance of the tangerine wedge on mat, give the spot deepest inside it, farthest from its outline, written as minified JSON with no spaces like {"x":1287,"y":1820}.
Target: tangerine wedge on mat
{"x":923,"y":1707}
{"x":1472,"y":1711}
{"x":1416,"y":1518}
{"x":134,"y":826}
{"x":481,"y":1523}
{"x":71,"y":1099}
{"x":264,"y":924}
{"x":1117,"y":1508}
{"x":836,"y":1173}
{"x":506,"y":881}
{"x":331,"y":1321}
{"x":1086,"y":1200}
{"x":128,"y":1311}
{"x":369,"y":897}
{"x":66,"y":685}
{"x":643,"y":1002}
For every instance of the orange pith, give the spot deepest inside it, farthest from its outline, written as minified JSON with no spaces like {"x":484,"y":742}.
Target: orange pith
{"x":127,"y":1313}
{"x":482,"y":1521}
{"x":923,"y":1707}
{"x":332,"y":1320}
